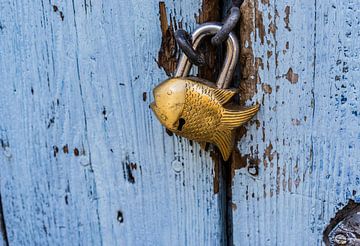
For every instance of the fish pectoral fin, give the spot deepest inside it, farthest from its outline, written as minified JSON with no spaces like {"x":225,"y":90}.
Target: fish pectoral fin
{"x":224,"y":140}
{"x":235,"y":118}
{"x":224,"y":95}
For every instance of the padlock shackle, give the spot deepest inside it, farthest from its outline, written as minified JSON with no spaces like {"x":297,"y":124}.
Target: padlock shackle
{"x":231,"y":58}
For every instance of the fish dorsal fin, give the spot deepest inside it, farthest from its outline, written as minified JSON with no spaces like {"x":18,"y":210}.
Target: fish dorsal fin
{"x":224,"y":140}
{"x":235,"y":118}
{"x":223,"y":95}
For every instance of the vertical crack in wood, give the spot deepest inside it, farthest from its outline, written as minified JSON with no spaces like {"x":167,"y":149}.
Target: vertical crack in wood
{"x":3,"y":225}
{"x":210,"y":11}
{"x":250,"y":20}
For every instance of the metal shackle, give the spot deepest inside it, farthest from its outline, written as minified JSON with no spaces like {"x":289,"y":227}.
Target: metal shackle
{"x":231,"y":58}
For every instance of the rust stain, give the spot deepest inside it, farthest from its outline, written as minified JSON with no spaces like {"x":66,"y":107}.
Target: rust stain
{"x":265,"y":2}
{"x":76,"y":152}
{"x":233,"y":206}
{"x":167,"y":56}
{"x":291,"y":76}
{"x":287,"y":18}
{"x":267,"y":88}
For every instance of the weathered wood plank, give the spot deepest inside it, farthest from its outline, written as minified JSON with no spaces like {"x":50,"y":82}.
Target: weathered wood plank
{"x":305,"y":141}
{"x":83,"y":160}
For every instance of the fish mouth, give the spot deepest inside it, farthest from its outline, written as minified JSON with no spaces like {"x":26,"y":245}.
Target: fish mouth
{"x":153,"y":105}
{"x":161,"y":116}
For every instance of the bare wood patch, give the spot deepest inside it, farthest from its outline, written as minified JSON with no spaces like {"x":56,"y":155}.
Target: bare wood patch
{"x":167,"y":56}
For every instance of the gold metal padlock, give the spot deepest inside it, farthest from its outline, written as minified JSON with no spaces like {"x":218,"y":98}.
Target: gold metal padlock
{"x":195,"y":108}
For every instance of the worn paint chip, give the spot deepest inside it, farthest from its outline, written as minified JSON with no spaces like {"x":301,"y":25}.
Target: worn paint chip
{"x":287,"y":18}
{"x":292,"y":77}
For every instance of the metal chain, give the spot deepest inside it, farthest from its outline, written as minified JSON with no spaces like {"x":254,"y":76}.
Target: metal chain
{"x":185,"y":43}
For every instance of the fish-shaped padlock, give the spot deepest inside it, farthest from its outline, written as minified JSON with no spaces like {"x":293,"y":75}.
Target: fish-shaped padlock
{"x":196,"y":108}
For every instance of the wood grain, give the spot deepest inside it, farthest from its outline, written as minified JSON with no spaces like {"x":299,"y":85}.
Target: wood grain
{"x":305,"y":139}
{"x":83,"y":159}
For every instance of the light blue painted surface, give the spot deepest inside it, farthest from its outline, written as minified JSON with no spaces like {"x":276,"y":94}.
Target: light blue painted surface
{"x":78,"y":84}
{"x":57,"y":77}
{"x":313,"y":168}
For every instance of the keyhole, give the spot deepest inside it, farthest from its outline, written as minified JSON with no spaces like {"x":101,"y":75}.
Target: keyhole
{"x":181,"y":124}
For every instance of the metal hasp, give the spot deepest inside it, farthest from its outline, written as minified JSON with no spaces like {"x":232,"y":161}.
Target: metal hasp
{"x":344,"y":229}
{"x":196,"y":108}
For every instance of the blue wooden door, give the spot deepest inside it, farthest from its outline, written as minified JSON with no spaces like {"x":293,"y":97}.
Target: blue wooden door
{"x":299,"y":161}
{"x":83,"y":161}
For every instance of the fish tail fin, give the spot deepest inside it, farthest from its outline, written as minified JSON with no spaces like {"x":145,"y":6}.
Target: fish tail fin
{"x":224,"y":137}
{"x":224,"y":140}
{"x":235,"y":118}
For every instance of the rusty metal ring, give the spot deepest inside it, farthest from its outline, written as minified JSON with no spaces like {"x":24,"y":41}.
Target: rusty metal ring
{"x":184,"y":41}
{"x":227,"y":27}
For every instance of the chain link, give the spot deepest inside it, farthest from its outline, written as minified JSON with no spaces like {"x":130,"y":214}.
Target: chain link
{"x":185,"y":43}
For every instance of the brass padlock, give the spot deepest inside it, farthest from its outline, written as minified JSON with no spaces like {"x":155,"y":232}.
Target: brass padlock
{"x":196,"y":108}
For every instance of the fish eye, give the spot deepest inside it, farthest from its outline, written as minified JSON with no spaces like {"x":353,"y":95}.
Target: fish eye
{"x":181,"y":124}
{"x":163,"y":117}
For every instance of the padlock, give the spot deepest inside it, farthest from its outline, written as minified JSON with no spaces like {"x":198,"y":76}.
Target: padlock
{"x":196,"y":108}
